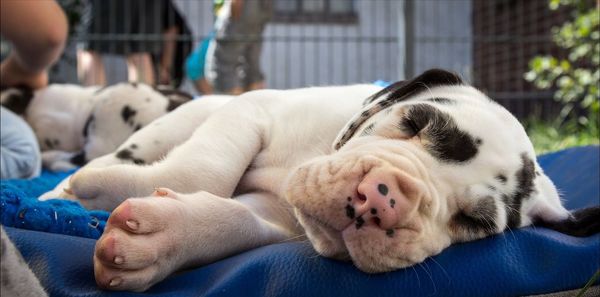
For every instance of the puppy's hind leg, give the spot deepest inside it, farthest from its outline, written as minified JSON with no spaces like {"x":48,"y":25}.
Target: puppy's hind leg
{"x":213,"y":160}
{"x":146,"y":239}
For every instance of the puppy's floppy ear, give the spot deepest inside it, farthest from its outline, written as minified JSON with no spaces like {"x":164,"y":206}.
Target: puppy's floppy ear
{"x":176,"y":97}
{"x":16,"y":99}
{"x":395,"y":93}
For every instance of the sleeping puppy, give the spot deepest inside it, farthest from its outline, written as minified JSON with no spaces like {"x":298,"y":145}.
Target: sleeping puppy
{"x":384,"y":182}
{"x":75,"y":124}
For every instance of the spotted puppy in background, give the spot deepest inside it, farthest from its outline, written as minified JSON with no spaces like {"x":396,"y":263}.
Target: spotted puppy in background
{"x":384,"y":182}
{"x":75,"y":124}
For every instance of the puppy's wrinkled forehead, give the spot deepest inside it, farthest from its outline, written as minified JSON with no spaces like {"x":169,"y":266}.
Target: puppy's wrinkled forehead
{"x":395,"y":93}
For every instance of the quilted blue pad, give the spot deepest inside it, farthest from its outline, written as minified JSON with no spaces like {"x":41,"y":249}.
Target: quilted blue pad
{"x":522,"y":262}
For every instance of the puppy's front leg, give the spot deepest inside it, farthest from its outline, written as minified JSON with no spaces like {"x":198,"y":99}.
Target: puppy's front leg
{"x":146,"y":239}
{"x":212,"y":160}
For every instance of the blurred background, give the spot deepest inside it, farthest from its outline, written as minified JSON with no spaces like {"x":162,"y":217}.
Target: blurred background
{"x":538,"y":58}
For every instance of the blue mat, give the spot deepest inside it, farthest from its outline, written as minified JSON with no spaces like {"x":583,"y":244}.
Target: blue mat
{"x":20,"y":208}
{"x":527,"y":261}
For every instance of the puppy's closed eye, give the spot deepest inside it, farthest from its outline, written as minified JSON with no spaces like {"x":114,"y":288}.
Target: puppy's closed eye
{"x":409,"y":126}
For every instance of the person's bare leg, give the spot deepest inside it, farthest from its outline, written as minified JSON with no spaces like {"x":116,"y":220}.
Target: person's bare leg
{"x":256,"y":86}
{"x":140,"y":69}
{"x":90,"y":68}
{"x":203,"y":86}
{"x":14,"y":74}
{"x":36,"y":45}
{"x":165,"y":67}
{"x":235,"y":91}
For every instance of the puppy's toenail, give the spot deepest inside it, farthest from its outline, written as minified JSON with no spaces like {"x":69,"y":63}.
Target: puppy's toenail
{"x":115,"y":282}
{"x":133,"y":225}
{"x":68,"y":191}
{"x":118,"y":260}
{"x":160,"y":192}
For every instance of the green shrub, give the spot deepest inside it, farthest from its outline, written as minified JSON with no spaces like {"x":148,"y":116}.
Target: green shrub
{"x":574,"y":78}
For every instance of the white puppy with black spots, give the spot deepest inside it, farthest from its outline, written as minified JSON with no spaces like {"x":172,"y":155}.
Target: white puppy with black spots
{"x":384,"y":182}
{"x":75,"y":124}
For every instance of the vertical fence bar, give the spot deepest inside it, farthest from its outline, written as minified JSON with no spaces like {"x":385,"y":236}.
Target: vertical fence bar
{"x":409,"y":65}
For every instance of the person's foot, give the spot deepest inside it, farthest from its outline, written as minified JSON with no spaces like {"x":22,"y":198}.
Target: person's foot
{"x":13,"y":74}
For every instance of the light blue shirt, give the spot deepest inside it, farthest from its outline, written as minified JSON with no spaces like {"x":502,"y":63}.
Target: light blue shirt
{"x":19,"y":151}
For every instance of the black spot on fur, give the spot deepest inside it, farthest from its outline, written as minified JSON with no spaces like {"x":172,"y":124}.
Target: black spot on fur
{"x":501,"y":178}
{"x":176,"y":97}
{"x":409,"y":127}
{"x":446,"y":141}
{"x":124,"y":154}
{"x":479,"y":219}
{"x":349,"y":199}
{"x":525,"y":177}
{"x":428,"y":79}
{"x":17,"y":99}
{"x":359,"y":222}
{"x":392,"y":203}
{"x":127,"y":112}
{"x":350,"y":211}
{"x":48,"y":143}
{"x":383,"y":189}
{"x":389,"y":232}
{"x":478,"y":141}
{"x":133,"y":146}
{"x":398,"y":92}
{"x":368,"y":130}
{"x":137,"y":127}
{"x":373,"y":210}
{"x":87,"y":125}
{"x":442,"y":100}
{"x":79,"y":159}
{"x":582,"y":223}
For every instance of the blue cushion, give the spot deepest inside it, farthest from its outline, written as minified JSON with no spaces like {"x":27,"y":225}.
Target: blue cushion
{"x":521,"y":262}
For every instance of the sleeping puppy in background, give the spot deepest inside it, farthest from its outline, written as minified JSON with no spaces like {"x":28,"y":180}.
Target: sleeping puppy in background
{"x":74,"y":124}
{"x":382,"y":177}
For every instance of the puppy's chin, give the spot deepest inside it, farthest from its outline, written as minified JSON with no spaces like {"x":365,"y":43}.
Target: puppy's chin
{"x":326,"y":241}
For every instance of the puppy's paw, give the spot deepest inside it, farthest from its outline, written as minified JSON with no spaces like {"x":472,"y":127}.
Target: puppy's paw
{"x":105,"y":188}
{"x":58,"y":160}
{"x":144,"y":242}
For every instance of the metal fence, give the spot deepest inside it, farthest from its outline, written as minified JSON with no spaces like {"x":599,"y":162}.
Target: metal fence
{"x":324,"y":42}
